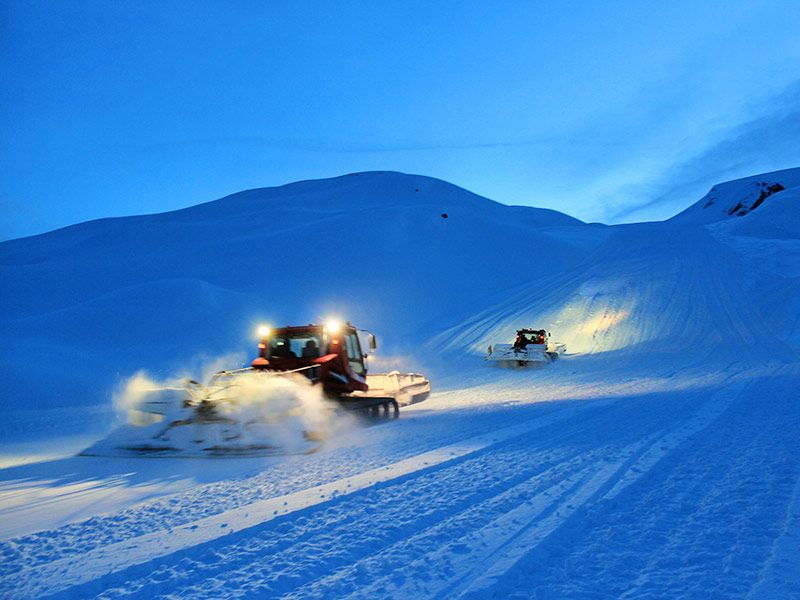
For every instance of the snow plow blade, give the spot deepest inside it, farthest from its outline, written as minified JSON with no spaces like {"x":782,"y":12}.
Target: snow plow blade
{"x":237,"y":413}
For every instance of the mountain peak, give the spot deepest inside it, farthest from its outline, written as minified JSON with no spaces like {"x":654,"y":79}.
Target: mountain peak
{"x":740,"y":197}
{"x":367,"y":190}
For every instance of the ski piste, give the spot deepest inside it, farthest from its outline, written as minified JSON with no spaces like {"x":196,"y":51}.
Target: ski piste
{"x":657,"y":457}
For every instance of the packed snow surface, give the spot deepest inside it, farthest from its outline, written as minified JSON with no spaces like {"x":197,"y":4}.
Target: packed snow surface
{"x":658,"y":458}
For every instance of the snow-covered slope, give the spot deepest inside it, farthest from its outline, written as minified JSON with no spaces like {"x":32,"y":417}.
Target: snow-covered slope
{"x":659,"y":458}
{"x":414,"y":258}
{"x":704,"y":286}
{"x":740,"y":197}
{"x":98,"y":300}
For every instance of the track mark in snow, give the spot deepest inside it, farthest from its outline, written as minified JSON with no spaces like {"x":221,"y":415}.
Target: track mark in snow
{"x":779,"y":576}
{"x":532,"y":535}
{"x":607,"y":483}
{"x":71,"y":571}
{"x":560,"y":470}
{"x":460,"y":559}
{"x":328,"y":553}
{"x":667,"y":443}
{"x":376,"y":547}
{"x":703,"y":522}
{"x":505,"y":540}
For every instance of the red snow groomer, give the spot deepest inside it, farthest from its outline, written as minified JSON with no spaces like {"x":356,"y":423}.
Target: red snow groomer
{"x":331,"y":355}
{"x":260,"y":409}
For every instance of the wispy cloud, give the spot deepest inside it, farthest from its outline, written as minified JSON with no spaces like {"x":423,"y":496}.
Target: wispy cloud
{"x":768,"y":142}
{"x":346,"y":146}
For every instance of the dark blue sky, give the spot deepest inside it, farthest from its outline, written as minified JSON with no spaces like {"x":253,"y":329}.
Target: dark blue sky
{"x":609,"y":111}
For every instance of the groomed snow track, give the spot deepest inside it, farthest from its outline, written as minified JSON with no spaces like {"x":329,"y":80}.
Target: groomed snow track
{"x":565,"y":499}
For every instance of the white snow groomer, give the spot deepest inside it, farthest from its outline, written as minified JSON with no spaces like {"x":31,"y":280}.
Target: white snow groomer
{"x":531,"y":347}
{"x":281,"y":404}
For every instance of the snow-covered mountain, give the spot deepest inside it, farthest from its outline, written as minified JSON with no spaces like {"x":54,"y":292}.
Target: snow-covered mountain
{"x":739,"y":197}
{"x":658,"y":458}
{"x":386,"y":250}
{"x":414,"y":258}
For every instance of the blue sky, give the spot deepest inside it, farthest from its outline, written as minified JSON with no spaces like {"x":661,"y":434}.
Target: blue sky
{"x":608,"y":111}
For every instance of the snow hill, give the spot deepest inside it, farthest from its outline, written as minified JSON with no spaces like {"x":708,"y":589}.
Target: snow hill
{"x":713,"y":283}
{"x":657,"y":459}
{"x":97,"y":301}
{"x":420,"y":261}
